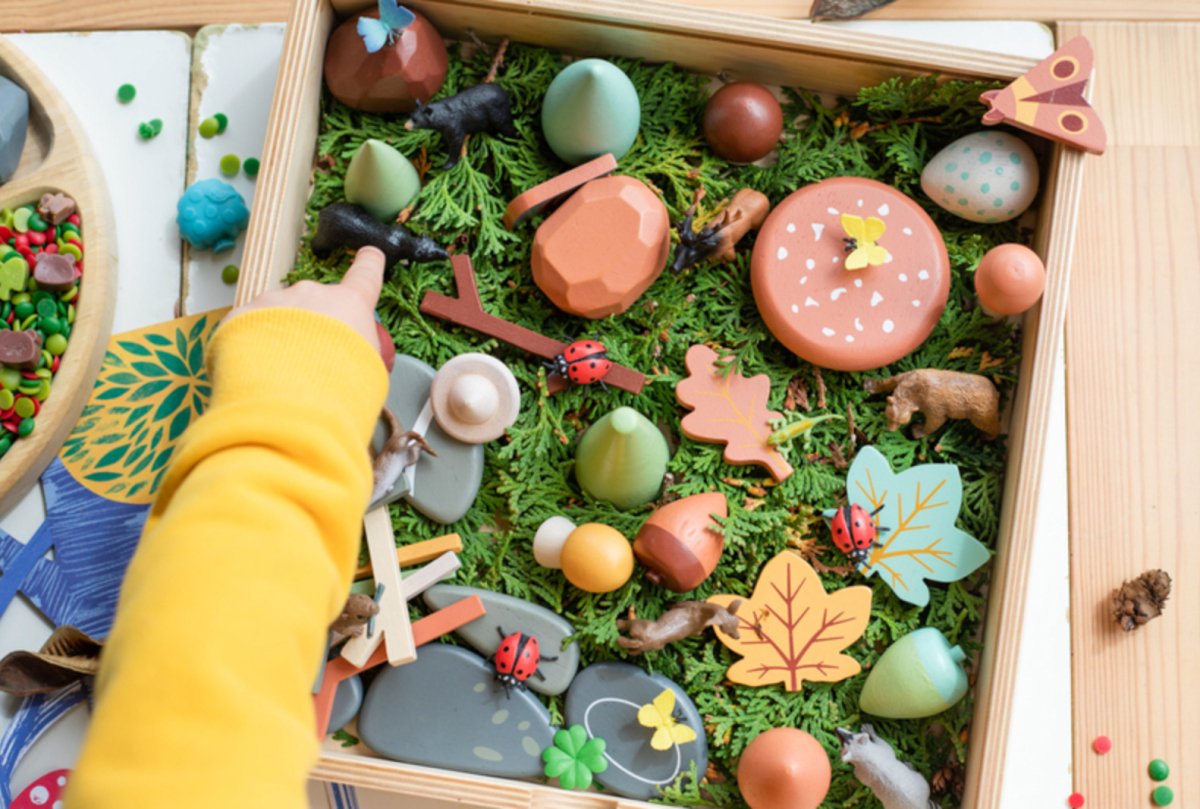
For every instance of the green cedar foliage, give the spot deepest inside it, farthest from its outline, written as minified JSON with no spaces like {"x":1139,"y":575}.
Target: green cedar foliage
{"x":888,"y":133}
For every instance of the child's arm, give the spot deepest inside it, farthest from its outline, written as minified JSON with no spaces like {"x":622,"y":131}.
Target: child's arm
{"x":204,"y":697}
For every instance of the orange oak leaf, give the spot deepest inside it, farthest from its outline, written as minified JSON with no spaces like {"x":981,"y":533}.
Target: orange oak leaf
{"x":791,"y":630}
{"x":729,"y":409}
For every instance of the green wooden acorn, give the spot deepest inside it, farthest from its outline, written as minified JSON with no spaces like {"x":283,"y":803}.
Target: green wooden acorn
{"x":591,"y":108}
{"x":381,"y":180}
{"x":622,"y":458}
{"x":919,"y":675}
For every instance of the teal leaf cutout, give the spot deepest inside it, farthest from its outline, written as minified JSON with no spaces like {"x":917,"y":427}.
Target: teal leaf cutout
{"x":172,"y":363}
{"x":919,"y":508}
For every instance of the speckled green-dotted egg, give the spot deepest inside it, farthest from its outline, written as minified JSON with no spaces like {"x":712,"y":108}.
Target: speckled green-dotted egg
{"x":983,"y":177}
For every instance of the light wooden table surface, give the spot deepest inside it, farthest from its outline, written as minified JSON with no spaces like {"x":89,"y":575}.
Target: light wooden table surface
{"x":1132,"y":354}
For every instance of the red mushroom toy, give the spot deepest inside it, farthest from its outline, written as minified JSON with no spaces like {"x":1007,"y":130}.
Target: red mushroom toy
{"x":44,"y":793}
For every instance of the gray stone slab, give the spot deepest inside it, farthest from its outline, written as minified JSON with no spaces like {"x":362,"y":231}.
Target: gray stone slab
{"x":444,"y":486}
{"x":14,"y":123}
{"x":446,"y":709}
{"x":605,"y":699}
{"x":346,"y":702}
{"x":511,"y":614}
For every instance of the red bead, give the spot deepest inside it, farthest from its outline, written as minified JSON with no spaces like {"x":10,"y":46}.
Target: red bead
{"x":35,"y":238}
{"x":1075,"y":801}
{"x":11,"y":426}
{"x":21,"y":241}
{"x":1102,"y":744}
{"x":29,"y":375}
{"x":5,"y":415}
{"x":28,"y":255}
{"x":50,"y":248}
{"x":74,"y":219}
{"x":54,"y":364}
{"x":5,"y":233}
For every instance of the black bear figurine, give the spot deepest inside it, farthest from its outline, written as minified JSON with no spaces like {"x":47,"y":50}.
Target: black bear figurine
{"x":344,"y":225}
{"x":482,"y":108}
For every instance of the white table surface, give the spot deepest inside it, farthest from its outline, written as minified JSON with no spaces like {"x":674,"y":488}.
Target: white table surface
{"x":146,"y":179}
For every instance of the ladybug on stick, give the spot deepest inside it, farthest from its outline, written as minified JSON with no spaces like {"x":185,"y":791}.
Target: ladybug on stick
{"x":855,"y":533}
{"x":583,"y":362}
{"x":517,"y":660}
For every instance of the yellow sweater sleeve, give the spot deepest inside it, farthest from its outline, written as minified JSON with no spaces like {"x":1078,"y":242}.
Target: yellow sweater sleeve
{"x":204,"y":697}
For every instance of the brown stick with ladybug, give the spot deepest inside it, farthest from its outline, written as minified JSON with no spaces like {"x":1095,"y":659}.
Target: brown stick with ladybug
{"x":583,"y":362}
{"x":517,"y":660}
{"x":855,"y":533}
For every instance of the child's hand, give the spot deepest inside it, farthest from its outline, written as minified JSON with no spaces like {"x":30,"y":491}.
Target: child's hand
{"x":352,"y":301}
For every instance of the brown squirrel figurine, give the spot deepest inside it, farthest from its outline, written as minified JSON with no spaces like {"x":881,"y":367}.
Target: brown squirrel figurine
{"x":359,"y":609}
{"x":682,"y":620}
{"x":940,"y":395}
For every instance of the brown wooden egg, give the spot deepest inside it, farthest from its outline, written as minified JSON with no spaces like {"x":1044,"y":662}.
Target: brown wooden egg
{"x":1009,"y":279}
{"x":603,"y":248}
{"x":393,"y":78}
{"x":680,"y":544}
{"x":743,"y":122}
{"x":784,"y":768}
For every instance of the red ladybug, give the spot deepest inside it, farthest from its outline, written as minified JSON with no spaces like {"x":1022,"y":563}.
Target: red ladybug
{"x":517,"y":660}
{"x":584,"y":362}
{"x":854,"y":532}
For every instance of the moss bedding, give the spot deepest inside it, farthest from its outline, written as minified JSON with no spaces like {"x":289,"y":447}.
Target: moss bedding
{"x":888,"y":133}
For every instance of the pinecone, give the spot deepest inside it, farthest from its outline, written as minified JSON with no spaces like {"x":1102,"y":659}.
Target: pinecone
{"x":1137,"y":601}
{"x":948,"y":780}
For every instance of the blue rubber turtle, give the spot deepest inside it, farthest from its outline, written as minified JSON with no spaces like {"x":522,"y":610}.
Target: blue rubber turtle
{"x":211,"y":214}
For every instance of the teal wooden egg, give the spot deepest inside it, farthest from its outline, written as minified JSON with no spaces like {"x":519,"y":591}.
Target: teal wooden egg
{"x":591,"y":109}
{"x":919,"y":675}
{"x":381,"y":180}
{"x":622,"y":458}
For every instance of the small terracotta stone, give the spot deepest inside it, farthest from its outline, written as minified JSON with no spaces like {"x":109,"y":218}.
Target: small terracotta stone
{"x":55,"y":208}
{"x":413,"y":67}
{"x":603,"y":248}
{"x":20,"y":349}
{"x":1010,"y":279}
{"x":743,"y":122}
{"x":54,"y":271}
{"x":849,"y":320}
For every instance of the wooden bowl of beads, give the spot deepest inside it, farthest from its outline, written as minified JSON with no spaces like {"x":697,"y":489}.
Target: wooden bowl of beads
{"x":48,"y":397}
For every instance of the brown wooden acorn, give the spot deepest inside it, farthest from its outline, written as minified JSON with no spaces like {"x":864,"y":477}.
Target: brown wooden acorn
{"x":681,"y":544}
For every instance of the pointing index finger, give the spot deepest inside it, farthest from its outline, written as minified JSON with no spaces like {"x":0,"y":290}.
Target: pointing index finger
{"x":365,"y":275}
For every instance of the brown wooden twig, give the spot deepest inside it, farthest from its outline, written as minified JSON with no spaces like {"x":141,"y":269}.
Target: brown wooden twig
{"x":467,"y":310}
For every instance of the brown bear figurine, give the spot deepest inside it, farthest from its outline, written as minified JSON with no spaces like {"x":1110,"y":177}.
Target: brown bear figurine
{"x":940,"y":395}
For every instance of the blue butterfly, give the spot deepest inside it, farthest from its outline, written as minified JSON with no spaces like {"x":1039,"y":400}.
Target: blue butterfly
{"x":392,"y":19}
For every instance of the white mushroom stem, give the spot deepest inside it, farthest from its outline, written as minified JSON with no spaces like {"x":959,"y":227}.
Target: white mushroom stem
{"x":549,"y":539}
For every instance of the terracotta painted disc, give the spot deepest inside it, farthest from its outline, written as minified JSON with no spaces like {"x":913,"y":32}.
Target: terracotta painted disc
{"x":849,"y":320}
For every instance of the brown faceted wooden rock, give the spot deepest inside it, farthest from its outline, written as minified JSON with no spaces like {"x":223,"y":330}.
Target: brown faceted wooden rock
{"x":850,"y":320}
{"x":603,"y":248}
{"x":393,"y":78}
{"x":681,"y":544}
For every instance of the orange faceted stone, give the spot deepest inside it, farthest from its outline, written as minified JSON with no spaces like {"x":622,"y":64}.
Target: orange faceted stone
{"x":603,"y":248}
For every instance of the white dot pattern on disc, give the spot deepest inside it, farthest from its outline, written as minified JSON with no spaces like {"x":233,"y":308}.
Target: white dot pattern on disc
{"x":818,"y":229}
{"x":828,"y":332}
{"x":907,"y":231}
{"x":916,"y":303}
{"x":795,"y":308}
{"x":888,"y":326}
{"x":810,"y":302}
{"x":791,"y":228}
{"x":810,"y":264}
{"x":923,"y":275}
{"x":837,"y":293}
{"x":782,"y":253}
{"x":849,"y":338}
{"x":903,"y":276}
{"x":858,"y":283}
{"x":884,"y":210}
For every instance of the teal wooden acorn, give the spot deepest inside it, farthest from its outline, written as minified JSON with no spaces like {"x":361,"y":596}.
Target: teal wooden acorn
{"x":622,"y":458}
{"x":919,"y":675}
{"x":591,"y":108}
{"x":381,"y":180}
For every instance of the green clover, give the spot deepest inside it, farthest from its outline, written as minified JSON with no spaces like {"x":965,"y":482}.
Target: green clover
{"x":574,"y":757}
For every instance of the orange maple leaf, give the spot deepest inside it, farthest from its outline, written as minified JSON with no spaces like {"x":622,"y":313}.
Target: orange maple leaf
{"x":791,"y":630}
{"x":730,"y":409}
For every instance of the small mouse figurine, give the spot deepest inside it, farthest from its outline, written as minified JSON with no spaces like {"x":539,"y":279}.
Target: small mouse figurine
{"x":895,"y":783}
{"x":683,"y":620}
{"x":746,"y":212}
{"x":360,"y":608}
{"x":344,"y":225}
{"x":940,"y":395}
{"x":482,"y":108}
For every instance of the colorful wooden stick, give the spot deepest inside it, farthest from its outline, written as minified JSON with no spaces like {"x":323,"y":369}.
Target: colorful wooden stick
{"x":392,"y":623}
{"x":418,"y":553}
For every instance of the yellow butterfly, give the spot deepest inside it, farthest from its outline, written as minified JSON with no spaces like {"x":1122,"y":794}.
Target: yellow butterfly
{"x":861,"y":241}
{"x":660,"y":715}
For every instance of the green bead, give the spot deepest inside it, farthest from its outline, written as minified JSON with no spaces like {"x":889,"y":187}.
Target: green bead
{"x":51,"y":325}
{"x":23,"y":310}
{"x":381,"y":180}
{"x":917,"y":676}
{"x":43,"y":392}
{"x":24,"y":408}
{"x":591,"y":108}
{"x":5,"y":443}
{"x":6,"y":399}
{"x":150,"y":129}
{"x":622,"y":458}
{"x":37,"y":223}
{"x":46,"y":307}
{"x":72,"y":250}
{"x":222,"y":122}
{"x":10,"y":378}
{"x":1162,"y":796}
{"x":25,"y":427}
{"x":20,"y":221}
{"x":1158,"y":770}
{"x":230,"y":274}
{"x":209,"y":127}
{"x":56,"y":344}
{"x":230,"y":164}
{"x":251,"y":166}
{"x":126,"y":93}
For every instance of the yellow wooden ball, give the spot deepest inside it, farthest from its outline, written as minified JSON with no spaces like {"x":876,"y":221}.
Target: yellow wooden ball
{"x":597,"y":558}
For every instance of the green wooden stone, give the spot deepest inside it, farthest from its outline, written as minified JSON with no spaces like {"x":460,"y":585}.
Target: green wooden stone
{"x":381,"y":180}
{"x":622,"y":458}
{"x":591,"y":108}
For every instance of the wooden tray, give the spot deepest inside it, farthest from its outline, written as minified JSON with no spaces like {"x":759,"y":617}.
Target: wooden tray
{"x":756,"y":48}
{"x":57,"y":157}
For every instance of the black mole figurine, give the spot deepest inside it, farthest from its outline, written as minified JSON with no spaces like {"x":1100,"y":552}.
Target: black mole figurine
{"x":482,"y":108}
{"x":345,"y":225}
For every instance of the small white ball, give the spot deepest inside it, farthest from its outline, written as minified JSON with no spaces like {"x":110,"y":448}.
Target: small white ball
{"x":549,"y":539}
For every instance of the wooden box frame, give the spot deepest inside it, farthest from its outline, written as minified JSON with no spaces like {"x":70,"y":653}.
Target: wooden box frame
{"x":756,"y":48}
